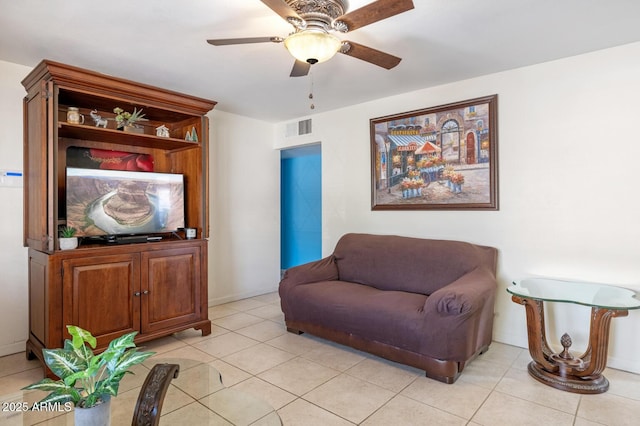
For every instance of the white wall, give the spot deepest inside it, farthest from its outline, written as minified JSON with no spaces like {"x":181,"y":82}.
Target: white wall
{"x":244,"y":248}
{"x":14,"y":312}
{"x":568,"y":154}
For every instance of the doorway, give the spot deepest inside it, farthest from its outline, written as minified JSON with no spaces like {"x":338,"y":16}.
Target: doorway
{"x":300,"y":205}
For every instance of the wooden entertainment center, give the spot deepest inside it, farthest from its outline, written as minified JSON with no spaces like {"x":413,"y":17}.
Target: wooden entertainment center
{"x":156,"y":288}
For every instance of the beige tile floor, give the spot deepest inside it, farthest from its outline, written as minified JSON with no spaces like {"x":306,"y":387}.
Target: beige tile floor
{"x":310,"y":381}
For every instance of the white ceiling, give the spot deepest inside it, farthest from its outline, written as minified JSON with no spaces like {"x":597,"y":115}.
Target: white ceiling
{"x":163,"y":43}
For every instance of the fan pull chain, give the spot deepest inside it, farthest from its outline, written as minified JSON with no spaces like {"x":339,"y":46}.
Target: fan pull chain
{"x":312,"y":106}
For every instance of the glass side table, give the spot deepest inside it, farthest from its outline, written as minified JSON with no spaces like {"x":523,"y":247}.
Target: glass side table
{"x":562,"y":370}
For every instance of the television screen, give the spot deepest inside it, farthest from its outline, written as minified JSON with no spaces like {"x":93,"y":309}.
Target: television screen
{"x":112,"y":202}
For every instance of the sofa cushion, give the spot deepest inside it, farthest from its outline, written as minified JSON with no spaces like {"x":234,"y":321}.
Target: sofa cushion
{"x":389,"y":262}
{"x":392,"y":317}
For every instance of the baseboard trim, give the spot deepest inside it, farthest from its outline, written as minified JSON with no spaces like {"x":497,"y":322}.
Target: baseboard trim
{"x":239,"y":296}
{"x":13,"y":348}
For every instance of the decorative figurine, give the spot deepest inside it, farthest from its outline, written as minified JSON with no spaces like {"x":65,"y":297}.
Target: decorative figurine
{"x":191,"y":136}
{"x":98,"y":119}
{"x":162,"y":131}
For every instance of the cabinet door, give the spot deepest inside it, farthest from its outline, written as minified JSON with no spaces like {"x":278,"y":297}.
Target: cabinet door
{"x":101,"y":295}
{"x":170,"y":286}
{"x":40,"y":189}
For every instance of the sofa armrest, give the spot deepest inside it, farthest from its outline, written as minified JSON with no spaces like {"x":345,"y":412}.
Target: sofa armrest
{"x":320,"y":270}
{"x":459,"y":316}
{"x":466,"y":295}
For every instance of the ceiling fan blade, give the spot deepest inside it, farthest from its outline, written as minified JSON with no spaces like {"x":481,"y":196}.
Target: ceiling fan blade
{"x":246,"y":40}
{"x":374,"y":12}
{"x":300,"y":69}
{"x":282,"y":9}
{"x":371,"y":55}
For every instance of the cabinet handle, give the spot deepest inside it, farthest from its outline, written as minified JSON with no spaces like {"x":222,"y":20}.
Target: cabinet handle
{"x":145,"y":292}
{"x":137,"y":294}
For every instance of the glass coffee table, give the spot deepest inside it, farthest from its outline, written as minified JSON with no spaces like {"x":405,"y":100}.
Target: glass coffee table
{"x":562,"y":370}
{"x":197,"y":396}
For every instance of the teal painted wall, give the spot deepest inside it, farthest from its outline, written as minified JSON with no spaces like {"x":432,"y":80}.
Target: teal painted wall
{"x":301,"y":206}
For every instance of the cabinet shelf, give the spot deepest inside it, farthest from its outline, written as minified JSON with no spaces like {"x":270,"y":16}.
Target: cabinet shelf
{"x":85,"y":132}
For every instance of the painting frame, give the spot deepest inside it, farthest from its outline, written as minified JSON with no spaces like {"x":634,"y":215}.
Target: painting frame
{"x":437,"y":158}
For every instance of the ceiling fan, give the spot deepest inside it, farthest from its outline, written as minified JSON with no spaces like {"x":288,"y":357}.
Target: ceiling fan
{"x":315,"y":21}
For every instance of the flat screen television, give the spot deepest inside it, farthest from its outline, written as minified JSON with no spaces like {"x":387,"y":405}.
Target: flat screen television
{"x":114,"y":202}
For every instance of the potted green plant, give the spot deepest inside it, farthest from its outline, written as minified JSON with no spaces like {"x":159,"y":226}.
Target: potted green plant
{"x":87,"y":380}
{"x":126,"y":120}
{"x":68,"y":239}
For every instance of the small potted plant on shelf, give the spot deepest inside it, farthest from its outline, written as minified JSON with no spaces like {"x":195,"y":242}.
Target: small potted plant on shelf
{"x":68,"y":239}
{"x":88,"y":381}
{"x":126,"y":120}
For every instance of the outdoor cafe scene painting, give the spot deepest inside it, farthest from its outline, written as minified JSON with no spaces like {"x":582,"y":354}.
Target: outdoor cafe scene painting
{"x":437,"y":158}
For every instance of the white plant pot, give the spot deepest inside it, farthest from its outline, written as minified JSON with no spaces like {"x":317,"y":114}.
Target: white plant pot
{"x":68,"y":243}
{"x":98,"y":415}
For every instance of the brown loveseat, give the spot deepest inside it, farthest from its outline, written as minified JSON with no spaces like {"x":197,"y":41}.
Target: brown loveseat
{"x":424,"y":303}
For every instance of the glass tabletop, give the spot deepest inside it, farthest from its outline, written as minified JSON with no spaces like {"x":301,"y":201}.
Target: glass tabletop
{"x":588,"y":294}
{"x":198,"y":396}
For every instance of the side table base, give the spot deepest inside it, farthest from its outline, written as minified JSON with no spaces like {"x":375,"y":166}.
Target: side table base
{"x":597,"y":384}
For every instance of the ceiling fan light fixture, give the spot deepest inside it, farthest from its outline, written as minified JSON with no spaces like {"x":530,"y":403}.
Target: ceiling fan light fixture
{"x":312,"y":46}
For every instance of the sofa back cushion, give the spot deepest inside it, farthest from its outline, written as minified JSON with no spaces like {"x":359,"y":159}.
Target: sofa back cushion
{"x":416,"y":265}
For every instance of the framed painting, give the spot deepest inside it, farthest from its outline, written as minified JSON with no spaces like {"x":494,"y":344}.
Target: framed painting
{"x":440,"y":158}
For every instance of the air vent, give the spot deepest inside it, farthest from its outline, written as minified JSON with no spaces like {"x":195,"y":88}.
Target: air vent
{"x":299,"y":128}
{"x":304,"y":127}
